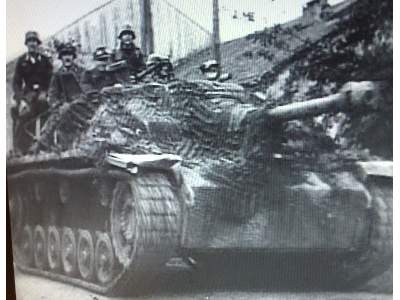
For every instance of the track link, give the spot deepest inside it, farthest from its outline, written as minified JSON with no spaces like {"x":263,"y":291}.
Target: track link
{"x":156,"y":225}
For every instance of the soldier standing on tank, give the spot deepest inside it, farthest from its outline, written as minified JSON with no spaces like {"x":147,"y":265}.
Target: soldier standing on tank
{"x":95,"y":79}
{"x":30,"y":84}
{"x":65,"y":83}
{"x":129,"y":52}
{"x":64,"y":89}
{"x":212,"y":71}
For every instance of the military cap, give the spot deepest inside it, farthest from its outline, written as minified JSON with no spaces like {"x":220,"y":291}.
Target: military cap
{"x":127,"y":29}
{"x":101,"y":53}
{"x":32,"y":35}
{"x":67,"y":48}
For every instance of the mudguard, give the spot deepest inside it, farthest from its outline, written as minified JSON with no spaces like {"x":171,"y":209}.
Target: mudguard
{"x":370,"y":169}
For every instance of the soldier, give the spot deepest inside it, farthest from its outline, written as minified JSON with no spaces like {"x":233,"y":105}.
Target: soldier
{"x":64,"y":85}
{"x":94,"y":80}
{"x":30,"y":84}
{"x":129,"y":52}
{"x":64,"y":89}
{"x":161,"y":68}
{"x":211,"y":69}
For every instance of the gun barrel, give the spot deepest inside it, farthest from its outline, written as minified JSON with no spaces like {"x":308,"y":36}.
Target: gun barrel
{"x":332,"y":103}
{"x":354,"y":95}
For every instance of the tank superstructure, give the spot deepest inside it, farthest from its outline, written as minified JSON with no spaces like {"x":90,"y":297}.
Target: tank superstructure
{"x":156,"y":171}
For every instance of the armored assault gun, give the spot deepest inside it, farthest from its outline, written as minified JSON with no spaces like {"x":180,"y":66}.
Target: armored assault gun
{"x":154,"y":172}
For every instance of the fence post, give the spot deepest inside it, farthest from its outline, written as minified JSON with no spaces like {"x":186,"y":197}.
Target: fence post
{"x":103,"y":30}
{"x":86,"y":33}
{"x":216,"y":39}
{"x":116,"y":22}
{"x":146,"y":27}
{"x":150,"y":32}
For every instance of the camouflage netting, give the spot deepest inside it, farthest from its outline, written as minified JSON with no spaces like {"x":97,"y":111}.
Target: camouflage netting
{"x":191,"y":119}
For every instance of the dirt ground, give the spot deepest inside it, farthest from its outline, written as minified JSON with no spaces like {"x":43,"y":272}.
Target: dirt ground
{"x":35,"y":288}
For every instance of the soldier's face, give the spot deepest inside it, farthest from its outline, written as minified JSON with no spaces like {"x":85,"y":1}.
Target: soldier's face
{"x":67,"y":60}
{"x":33,"y":45}
{"x":127,"y":39}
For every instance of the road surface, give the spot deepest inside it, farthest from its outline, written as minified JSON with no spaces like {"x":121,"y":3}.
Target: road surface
{"x":35,"y":288}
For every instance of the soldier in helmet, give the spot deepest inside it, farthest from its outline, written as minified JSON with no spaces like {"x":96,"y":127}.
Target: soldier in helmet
{"x":162,"y":69}
{"x":211,"y":69}
{"x":64,"y":85}
{"x":129,"y":52}
{"x":31,"y":81}
{"x":64,"y":89}
{"x":95,"y":79}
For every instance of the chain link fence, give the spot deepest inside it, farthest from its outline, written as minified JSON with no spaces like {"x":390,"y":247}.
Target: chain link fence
{"x":175,"y":34}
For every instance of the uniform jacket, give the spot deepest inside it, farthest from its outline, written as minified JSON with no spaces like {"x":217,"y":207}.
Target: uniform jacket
{"x":31,"y":71}
{"x":65,"y":85}
{"x":134,"y":58}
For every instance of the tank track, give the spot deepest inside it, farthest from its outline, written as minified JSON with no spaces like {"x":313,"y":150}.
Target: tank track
{"x":156,"y":221}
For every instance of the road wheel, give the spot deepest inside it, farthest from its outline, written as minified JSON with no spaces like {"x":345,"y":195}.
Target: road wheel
{"x":68,"y":251}
{"x":40,"y":247}
{"x":54,"y":248}
{"x":104,"y":258}
{"x":25,"y":246}
{"x":85,"y":254}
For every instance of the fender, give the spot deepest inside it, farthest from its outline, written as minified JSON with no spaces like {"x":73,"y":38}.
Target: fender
{"x":131,"y":162}
{"x":374,"y":169}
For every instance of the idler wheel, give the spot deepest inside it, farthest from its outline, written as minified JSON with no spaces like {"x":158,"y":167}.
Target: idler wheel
{"x":104,"y":258}
{"x":25,"y":246}
{"x":40,"y":247}
{"x":68,"y":251}
{"x":124,"y":222}
{"x":85,"y":254}
{"x":54,"y":248}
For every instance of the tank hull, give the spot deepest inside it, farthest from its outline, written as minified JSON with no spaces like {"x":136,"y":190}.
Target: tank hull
{"x":301,"y":219}
{"x":294,"y":210}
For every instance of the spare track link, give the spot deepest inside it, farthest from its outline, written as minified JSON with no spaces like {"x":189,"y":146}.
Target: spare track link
{"x":158,"y":221}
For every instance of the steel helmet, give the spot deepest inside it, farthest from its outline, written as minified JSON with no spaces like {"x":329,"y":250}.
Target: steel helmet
{"x":206,"y":66}
{"x":127,"y":29}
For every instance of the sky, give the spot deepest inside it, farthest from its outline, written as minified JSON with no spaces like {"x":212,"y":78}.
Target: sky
{"x":47,"y":16}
